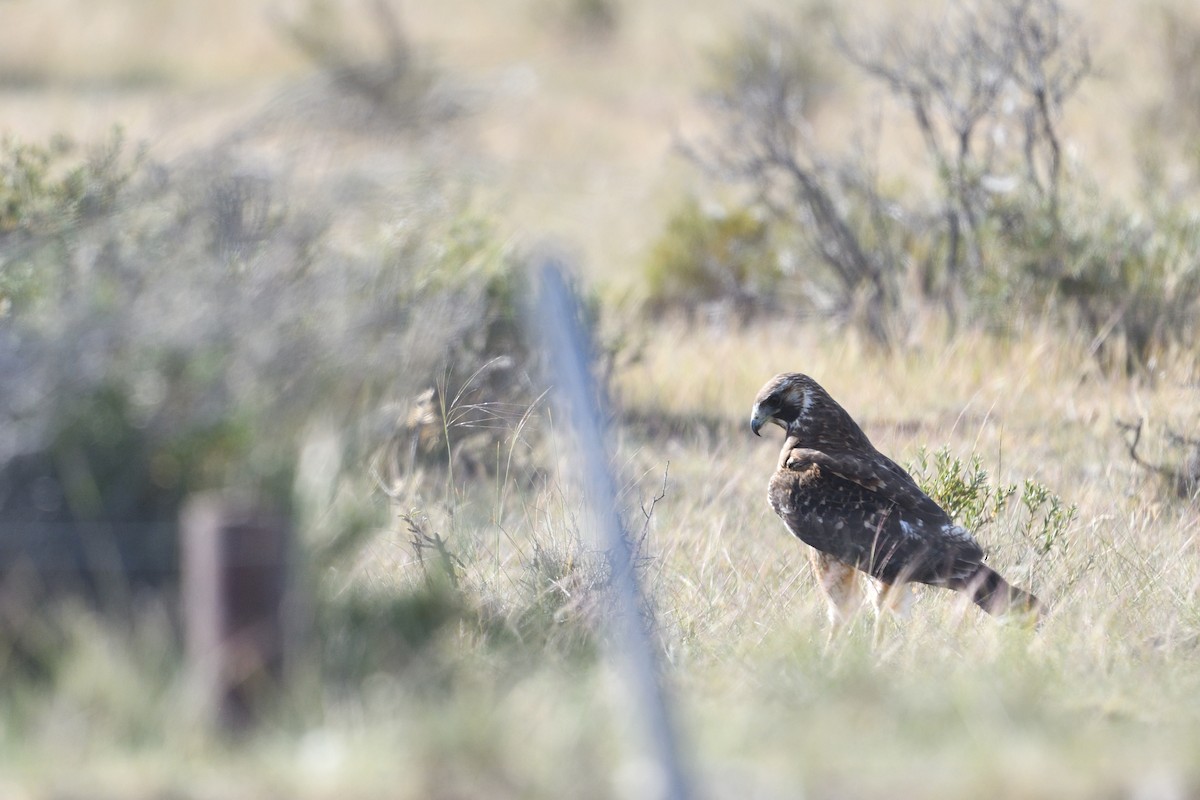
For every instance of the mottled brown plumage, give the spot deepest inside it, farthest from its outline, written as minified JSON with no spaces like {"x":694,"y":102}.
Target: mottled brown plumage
{"x":861,"y":511}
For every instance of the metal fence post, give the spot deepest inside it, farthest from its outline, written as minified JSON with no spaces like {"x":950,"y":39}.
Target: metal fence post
{"x":575,"y":389}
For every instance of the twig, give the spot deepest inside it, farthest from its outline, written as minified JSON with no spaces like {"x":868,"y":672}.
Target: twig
{"x":1184,"y":481}
{"x":1136,"y":430}
{"x":423,"y":540}
{"x":648,"y":513}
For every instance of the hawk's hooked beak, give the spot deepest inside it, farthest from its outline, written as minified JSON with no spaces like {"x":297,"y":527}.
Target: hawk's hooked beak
{"x":758,"y":418}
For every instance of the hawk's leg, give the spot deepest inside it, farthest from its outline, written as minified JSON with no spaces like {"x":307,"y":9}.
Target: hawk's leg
{"x":889,"y":597}
{"x":839,"y":582}
{"x":889,"y":600}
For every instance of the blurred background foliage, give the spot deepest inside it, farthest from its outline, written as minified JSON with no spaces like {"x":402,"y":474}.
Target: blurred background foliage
{"x":990,"y":215}
{"x":170,"y":329}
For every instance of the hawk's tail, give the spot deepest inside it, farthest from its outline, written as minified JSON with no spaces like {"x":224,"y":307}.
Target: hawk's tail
{"x":997,"y":596}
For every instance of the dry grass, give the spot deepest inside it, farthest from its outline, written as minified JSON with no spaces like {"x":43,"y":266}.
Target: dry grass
{"x":509,"y":699}
{"x":946,"y":703}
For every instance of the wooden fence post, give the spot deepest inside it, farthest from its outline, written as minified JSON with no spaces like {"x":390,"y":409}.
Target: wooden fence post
{"x":234,"y":586}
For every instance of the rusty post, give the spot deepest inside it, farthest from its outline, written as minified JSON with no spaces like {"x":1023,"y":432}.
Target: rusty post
{"x":234,"y":587}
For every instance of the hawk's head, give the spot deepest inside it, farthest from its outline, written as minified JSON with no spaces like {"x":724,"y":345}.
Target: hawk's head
{"x":783,"y":400}
{"x":798,"y":404}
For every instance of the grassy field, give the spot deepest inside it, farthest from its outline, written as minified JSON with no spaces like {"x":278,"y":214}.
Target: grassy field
{"x":489,"y":677}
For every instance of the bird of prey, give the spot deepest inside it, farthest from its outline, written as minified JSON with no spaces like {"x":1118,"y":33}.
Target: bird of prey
{"x":861,"y":512}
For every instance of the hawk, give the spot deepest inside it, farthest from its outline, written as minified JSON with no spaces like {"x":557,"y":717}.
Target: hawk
{"x":860,"y":511}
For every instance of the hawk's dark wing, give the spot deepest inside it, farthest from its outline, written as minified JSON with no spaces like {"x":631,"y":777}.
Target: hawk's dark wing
{"x":866,"y":511}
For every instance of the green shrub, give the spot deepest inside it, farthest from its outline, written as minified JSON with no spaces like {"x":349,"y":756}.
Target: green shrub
{"x":1129,"y":282}
{"x":707,"y":257}
{"x":966,"y":491}
{"x":1039,"y":519}
{"x":48,"y":188}
{"x":47,"y":191}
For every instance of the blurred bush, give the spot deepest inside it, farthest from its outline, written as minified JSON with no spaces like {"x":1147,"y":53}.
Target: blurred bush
{"x":589,"y":21}
{"x":1007,"y":225}
{"x":170,"y":328}
{"x":376,"y":77}
{"x":765,"y":89}
{"x":548,"y":604}
{"x":724,"y":259}
{"x":763,"y":56}
{"x":1129,"y":282}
